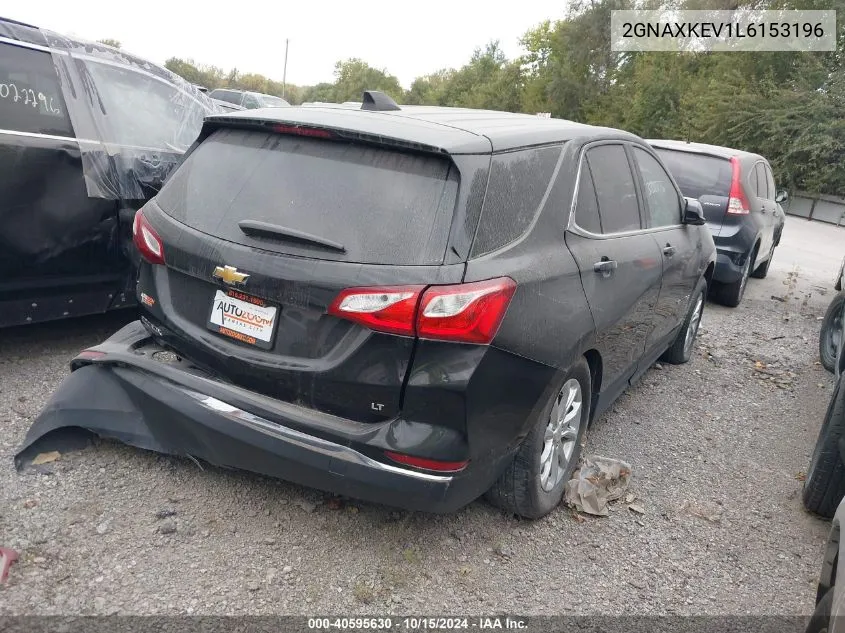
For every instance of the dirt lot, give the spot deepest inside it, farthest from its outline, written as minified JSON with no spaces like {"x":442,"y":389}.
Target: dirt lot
{"x":718,"y":448}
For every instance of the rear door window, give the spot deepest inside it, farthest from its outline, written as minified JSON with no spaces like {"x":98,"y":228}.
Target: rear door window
{"x":770,"y":181}
{"x":662,"y":201}
{"x":30,"y":96}
{"x":615,"y":191}
{"x":586,"y":206}
{"x":762,"y":184}
{"x":383,"y":206}
{"x":698,"y":175}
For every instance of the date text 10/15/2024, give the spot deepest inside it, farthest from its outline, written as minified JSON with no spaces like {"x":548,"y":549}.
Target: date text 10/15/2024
{"x":481,"y":623}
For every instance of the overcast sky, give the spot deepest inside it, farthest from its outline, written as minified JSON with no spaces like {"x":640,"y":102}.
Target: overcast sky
{"x":408,"y":39}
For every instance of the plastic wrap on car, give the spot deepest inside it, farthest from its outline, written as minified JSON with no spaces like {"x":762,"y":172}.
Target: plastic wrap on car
{"x":115,"y":168}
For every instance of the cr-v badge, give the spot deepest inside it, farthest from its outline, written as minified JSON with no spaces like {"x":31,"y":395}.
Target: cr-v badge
{"x":230,"y":275}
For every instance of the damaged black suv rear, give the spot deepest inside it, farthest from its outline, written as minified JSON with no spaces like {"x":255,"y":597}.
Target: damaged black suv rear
{"x":396,"y":304}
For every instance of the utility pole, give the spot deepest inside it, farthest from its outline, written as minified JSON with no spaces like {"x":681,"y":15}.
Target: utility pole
{"x":285,"y":72}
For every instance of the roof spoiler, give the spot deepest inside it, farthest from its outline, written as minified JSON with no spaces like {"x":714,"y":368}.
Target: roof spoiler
{"x":378,"y":101}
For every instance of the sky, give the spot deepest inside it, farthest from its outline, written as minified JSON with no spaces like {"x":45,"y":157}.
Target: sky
{"x":407,"y":39}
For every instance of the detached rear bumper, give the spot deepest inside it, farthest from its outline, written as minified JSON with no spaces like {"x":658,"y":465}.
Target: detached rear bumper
{"x":171,"y":407}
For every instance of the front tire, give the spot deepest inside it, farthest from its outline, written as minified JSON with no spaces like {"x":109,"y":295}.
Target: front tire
{"x":825,"y":485}
{"x":831,"y":332}
{"x":681,"y":350}
{"x":533,"y":483}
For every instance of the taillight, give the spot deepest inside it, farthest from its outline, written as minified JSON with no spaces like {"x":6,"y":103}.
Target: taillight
{"x":469,"y":313}
{"x":389,"y":309}
{"x":147,"y":240}
{"x":737,"y":202}
{"x":427,"y":464}
{"x":466,"y":313}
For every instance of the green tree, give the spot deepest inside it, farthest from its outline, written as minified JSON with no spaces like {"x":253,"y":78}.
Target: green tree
{"x":110,"y":42}
{"x":354,"y":76}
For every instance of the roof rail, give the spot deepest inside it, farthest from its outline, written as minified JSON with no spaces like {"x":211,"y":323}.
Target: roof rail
{"x":378,"y":101}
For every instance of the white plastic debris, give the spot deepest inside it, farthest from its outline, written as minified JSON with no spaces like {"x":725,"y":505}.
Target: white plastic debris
{"x":597,"y":481}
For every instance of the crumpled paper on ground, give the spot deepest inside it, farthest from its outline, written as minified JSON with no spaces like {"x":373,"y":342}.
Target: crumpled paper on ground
{"x":597,"y":481}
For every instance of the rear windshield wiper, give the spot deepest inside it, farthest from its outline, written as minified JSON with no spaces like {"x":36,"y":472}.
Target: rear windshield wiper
{"x":254,"y":228}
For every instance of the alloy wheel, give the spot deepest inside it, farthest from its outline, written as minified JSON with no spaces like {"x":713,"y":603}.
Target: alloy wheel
{"x":561,"y":435}
{"x":692,"y":328}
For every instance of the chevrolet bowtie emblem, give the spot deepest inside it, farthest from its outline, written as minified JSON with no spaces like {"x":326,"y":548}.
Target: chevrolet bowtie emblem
{"x":230,"y":275}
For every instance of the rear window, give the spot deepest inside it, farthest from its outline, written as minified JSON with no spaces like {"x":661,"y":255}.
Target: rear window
{"x":698,"y":175}
{"x":383,"y":206}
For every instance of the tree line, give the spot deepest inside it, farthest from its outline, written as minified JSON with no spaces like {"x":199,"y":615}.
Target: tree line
{"x":787,"y":106}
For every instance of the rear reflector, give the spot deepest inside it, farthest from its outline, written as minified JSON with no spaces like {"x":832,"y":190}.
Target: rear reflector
{"x":466,"y":313}
{"x":89,"y":354}
{"x":147,"y":240}
{"x":737,"y":202}
{"x":427,"y":464}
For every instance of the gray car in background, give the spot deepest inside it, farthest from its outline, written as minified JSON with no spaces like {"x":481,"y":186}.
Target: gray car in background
{"x":742,"y":205}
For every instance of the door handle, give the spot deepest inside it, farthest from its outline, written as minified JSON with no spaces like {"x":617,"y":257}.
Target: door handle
{"x":669,"y":250}
{"x":605,"y":266}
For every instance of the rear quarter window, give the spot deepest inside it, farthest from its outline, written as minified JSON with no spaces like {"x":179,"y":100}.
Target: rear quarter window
{"x":518,"y":183}
{"x":697,"y":174}
{"x":383,"y":206}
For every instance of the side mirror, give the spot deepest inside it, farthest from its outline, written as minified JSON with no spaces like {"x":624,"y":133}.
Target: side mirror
{"x":693,"y":213}
{"x":781,"y":196}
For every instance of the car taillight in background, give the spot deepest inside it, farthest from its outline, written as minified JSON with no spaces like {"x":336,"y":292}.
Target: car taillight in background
{"x":466,"y":313}
{"x":147,"y":240}
{"x":737,"y":202}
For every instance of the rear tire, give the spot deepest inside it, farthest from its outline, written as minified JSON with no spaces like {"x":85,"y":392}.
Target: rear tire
{"x":681,"y":350}
{"x":731,"y":294}
{"x":825,"y":485}
{"x":831,"y":328}
{"x":523,"y":489}
{"x":763,"y":269}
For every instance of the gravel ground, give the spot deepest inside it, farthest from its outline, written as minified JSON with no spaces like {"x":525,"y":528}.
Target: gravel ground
{"x":717,"y":448}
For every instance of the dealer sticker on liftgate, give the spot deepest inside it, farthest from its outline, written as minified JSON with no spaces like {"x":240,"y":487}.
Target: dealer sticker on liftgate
{"x":243,"y":317}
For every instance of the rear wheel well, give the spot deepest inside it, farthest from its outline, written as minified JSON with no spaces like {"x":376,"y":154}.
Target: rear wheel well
{"x":594,"y":362}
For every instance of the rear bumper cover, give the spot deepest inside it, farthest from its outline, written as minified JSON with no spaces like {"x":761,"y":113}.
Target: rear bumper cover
{"x":127,"y":396}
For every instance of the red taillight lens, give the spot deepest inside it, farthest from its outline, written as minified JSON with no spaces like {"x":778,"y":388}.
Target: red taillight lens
{"x":147,"y":240}
{"x":469,"y":313}
{"x":302,"y":131}
{"x":427,"y":464}
{"x":389,"y":309}
{"x":466,"y":313}
{"x":737,"y":202}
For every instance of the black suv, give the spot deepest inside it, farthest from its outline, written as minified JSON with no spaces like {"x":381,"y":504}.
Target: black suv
{"x":88,"y":134}
{"x":414,"y":306}
{"x":737,"y":192}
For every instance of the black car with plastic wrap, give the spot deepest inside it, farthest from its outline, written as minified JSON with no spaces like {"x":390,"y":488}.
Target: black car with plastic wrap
{"x":88,"y":134}
{"x":414,"y":306}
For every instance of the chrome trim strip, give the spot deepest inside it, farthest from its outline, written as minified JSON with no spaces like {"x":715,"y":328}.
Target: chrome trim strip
{"x":88,"y":141}
{"x":304,"y":440}
{"x":22,"y":44}
{"x":39,"y":135}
